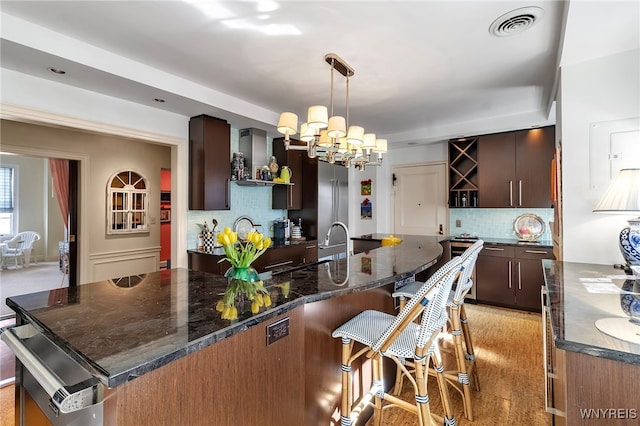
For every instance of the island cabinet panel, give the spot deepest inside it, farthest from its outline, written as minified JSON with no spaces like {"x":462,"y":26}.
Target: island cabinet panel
{"x":209,"y":163}
{"x":284,"y":196}
{"x":511,"y":276}
{"x":514,"y":168}
{"x":237,"y":381}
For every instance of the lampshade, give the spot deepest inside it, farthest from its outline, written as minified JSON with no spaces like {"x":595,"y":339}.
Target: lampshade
{"x":337,"y":127}
{"x":623,"y":195}
{"x":306,"y":133}
{"x":369,"y":140}
{"x":325,"y":140}
{"x":288,"y":123}
{"x":317,"y":117}
{"x":381,"y":145}
{"x":355,"y":135}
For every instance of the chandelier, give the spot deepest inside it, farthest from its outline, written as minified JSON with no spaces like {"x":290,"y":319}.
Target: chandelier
{"x":330,"y":138}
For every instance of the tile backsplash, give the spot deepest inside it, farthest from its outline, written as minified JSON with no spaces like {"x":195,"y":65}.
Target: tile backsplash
{"x":496,"y":223}
{"x":251,"y":201}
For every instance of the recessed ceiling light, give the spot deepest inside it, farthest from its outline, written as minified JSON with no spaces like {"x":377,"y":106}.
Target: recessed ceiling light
{"x":56,"y":70}
{"x":158,"y":100}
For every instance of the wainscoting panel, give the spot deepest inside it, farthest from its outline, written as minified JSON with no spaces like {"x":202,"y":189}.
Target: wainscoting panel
{"x":123,"y":263}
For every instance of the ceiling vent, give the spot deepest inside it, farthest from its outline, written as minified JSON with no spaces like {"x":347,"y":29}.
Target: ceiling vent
{"x":516,"y":21}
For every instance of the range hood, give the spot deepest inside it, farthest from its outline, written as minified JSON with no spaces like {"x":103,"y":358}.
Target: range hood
{"x":253,"y":144}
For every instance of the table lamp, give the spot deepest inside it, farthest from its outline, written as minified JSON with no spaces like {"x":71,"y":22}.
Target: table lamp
{"x":623,"y":196}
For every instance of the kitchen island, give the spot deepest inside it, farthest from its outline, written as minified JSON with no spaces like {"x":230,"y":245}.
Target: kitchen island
{"x":165,"y":357}
{"x":586,"y":369}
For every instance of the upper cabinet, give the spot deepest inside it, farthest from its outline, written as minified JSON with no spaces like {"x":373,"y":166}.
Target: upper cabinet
{"x":209,"y":159}
{"x":288,"y":197}
{"x":514,"y":168}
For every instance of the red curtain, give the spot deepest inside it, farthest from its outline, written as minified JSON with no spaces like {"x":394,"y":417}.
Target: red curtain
{"x":60,"y":174}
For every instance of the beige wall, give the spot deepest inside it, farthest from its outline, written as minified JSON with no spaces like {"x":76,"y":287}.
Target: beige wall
{"x":104,"y":155}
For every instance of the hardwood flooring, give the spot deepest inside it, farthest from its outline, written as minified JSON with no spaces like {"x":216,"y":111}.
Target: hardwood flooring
{"x":508,"y":347}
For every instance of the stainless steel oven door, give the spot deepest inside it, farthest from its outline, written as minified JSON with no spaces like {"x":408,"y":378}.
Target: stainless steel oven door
{"x":65,"y":392}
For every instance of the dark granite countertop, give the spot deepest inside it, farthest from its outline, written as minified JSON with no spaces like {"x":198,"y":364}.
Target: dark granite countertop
{"x":574,"y":310}
{"x":488,"y":240}
{"x":121,"y":332}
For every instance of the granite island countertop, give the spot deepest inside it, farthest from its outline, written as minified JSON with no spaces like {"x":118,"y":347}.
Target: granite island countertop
{"x":121,"y":329}
{"x":488,"y":240}
{"x":574,"y":310}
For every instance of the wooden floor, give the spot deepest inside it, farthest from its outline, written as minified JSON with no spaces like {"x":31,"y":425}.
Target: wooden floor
{"x":509,"y":359}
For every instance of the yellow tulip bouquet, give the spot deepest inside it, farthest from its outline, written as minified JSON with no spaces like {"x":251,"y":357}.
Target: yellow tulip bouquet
{"x":243,"y":279}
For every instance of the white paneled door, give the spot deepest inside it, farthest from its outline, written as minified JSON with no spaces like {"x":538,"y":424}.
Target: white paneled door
{"x":420,"y":200}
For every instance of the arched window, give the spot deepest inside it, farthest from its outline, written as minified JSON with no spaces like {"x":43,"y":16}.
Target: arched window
{"x":128,"y":203}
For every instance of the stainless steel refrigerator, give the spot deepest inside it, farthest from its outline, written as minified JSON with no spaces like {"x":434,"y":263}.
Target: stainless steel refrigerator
{"x":333,"y":206}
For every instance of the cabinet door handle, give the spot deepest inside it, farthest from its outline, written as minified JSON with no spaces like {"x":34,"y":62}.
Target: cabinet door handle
{"x":310,"y":247}
{"x":275,"y":265}
{"x":519,"y":278}
{"x":510,"y":283}
{"x":511,"y":193}
{"x":536,"y":251}
{"x":494,"y":249}
{"x":520,"y":193}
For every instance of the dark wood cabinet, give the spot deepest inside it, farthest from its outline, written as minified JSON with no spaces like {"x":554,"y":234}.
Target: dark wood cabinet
{"x":209,"y":159}
{"x":273,"y":259}
{"x":288,"y":197}
{"x":514,"y":168}
{"x":511,"y":276}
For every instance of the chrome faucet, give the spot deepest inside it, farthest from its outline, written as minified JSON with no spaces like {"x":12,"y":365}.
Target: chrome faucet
{"x":346,"y":231}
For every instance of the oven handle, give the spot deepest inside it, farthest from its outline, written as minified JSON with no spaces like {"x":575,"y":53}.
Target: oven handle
{"x":67,"y":398}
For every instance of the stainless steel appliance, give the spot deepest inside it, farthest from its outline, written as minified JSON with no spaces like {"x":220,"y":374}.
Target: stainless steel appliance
{"x":65,"y":392}
{"x":333,"y":206}
{"x":458,"y":246}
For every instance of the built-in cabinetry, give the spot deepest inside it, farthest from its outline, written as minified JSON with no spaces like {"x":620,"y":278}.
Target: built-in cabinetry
{"x":209,"y":159}
{"x":511,"y":276}
{"x":514,"y":168}
{"x":279,"y":257}
{"x":511,"y":169}
{"x":463,"y":172}
{"x":288,"y":197}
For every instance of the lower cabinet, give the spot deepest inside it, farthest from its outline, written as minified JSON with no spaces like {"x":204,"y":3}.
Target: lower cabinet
{"x":511,"y":276}
{"x":273,"y":259}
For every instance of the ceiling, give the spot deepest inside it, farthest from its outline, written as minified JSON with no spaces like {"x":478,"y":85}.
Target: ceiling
{"x":425,"y":71}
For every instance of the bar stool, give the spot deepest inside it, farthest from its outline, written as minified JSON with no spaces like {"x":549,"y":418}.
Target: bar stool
{"x":399,"y":338}
{"x":458,"y":329}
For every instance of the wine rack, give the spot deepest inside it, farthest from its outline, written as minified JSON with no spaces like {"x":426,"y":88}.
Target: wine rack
{"x":463,"y":172}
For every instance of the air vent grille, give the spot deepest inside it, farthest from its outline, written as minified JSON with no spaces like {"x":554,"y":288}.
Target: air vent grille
{"x":516,"y":21}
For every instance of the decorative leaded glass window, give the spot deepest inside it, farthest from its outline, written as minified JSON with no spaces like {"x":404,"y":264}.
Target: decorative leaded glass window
{"x":128,"y":203}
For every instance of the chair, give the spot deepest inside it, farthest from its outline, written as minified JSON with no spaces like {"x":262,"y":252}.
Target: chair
{"x":398,"y":338}
{"x":458,"y":329}
{"x":20,"y":247}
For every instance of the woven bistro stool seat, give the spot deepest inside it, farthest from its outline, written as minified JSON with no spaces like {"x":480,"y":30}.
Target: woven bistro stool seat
{"x":457,"y":328}
{"x":398,"y":338}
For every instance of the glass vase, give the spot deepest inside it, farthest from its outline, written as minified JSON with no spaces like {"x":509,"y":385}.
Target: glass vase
{"x":237,"y":279}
